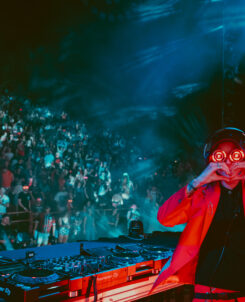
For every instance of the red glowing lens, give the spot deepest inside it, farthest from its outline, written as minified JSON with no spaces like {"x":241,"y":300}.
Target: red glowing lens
{"x":218,"y":156}
{"x":237,"y":155}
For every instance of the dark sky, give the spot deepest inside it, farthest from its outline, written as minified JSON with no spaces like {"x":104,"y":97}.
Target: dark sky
{"x":152,"y":65}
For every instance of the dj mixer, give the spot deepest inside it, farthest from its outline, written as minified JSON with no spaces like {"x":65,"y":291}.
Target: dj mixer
{"x":80,"y":276}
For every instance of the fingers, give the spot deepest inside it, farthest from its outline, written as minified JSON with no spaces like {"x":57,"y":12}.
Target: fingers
{"x":224,"y":167}
{"x":230,"y":178}
{"x":236,"y":166}
{"x":219,"y":166}
{"x":221,"y":177}
{"x":238,"y":177}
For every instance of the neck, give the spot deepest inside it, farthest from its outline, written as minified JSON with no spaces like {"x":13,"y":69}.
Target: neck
{"x":230,"y":185}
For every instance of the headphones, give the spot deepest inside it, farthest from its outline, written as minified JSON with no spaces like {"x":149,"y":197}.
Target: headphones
{"x":229,"y":133}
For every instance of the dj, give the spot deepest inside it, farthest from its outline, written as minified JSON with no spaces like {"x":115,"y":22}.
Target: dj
{"x":211,"y":249}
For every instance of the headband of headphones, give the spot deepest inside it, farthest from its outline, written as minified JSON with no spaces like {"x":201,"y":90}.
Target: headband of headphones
{"x":225,"y":134}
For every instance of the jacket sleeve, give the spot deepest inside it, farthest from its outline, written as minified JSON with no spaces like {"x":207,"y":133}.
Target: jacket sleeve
{"x":176,"y":209}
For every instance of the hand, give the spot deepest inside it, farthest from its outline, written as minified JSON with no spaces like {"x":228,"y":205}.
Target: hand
{"x":213,"y":172}
{"x":238,"y":171}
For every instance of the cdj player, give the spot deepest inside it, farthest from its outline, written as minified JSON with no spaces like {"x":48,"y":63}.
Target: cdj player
{"x":84,"y":275}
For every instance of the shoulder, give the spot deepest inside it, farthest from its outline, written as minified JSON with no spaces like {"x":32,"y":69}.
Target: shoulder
{"x":5,"y":198}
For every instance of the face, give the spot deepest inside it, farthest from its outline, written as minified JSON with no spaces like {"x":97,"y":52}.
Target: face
{"x":228,"y":147}
{"x":47,"y":210}
{"x":6,"y":220}
{"x":25,"y":189}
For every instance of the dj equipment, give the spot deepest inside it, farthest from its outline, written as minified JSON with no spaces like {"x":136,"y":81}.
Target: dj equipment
{"x":89,"y":273}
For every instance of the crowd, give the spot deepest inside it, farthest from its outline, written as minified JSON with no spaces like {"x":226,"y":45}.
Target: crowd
{"x":59,"y":182}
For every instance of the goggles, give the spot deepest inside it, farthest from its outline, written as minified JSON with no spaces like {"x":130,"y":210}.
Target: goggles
{"x":236,"y":155}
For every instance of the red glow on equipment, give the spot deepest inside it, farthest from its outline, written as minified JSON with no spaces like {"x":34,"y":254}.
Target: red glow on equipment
{"x":73,"y":294}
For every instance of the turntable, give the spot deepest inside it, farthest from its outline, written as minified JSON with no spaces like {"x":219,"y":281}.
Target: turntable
{"x":125,"y":256}
{"x":155,"y":252}
{"x":35,"y":276}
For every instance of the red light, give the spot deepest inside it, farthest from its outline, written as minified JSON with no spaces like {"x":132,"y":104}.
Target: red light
{"x":21,"y":109}
{"x":218,"y":156}
{"x":237,"y":155}
{"x":30,"y":182}
{"x":73,"y":294}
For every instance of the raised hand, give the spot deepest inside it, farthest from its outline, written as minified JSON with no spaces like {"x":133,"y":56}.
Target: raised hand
{"x":213,"y":172}
{"x":238,"y":171}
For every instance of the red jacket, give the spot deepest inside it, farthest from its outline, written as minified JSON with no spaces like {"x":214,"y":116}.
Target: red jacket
{"x":197,"y":211}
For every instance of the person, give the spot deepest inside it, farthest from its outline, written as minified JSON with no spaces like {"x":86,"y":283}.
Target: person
{"x":7,"y":177}
{"x":133,"y":214}
{"x":4,"y":202}
{"x":76,"y":226}
{"x":64,"y":227}
{"x":24,"y":206}
{"x":46,"y":225}
{"x":127,"y":187}
{"x":211,"y":250}
{"x":6,"y":234}
{"x":89,"y":228}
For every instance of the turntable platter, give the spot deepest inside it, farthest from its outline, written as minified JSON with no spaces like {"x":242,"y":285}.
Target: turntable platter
{"x":35,"y":276}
